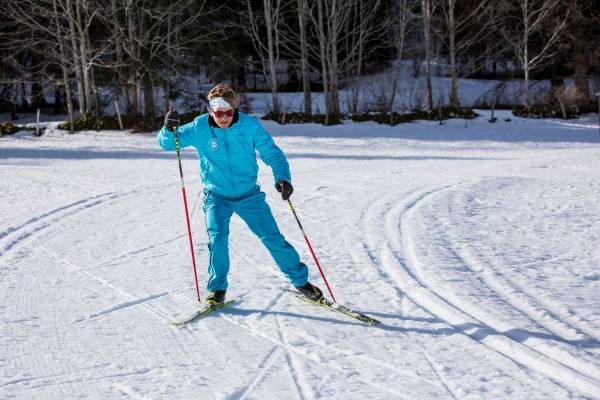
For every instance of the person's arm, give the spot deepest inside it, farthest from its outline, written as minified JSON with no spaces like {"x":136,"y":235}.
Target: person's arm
{"x":185,"y":133}
{"x":272,"y":155}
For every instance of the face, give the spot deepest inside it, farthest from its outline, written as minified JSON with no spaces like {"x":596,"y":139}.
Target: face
{"x":222,"y":116}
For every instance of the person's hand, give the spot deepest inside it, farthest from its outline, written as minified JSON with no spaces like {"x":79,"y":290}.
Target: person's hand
{"x":285,"y":188}
{"x":172,"y":120}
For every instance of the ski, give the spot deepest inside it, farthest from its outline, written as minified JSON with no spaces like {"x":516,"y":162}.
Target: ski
{"x":203,"y":312}
{"x":330,"y":305}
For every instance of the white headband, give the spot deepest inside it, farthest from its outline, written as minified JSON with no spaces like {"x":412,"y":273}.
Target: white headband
{"x":219,"y":102}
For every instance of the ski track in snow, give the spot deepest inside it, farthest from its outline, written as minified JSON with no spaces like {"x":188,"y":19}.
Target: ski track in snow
{"x":294,"y":351}
{"x":410,"y":232}
{"x":536,"y":354}
{"x":470,"y":320}
{"x":546,"y":313}
{"x":15,"y":235}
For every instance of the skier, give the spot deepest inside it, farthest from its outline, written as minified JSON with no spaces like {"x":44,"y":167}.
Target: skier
{"x":226,"y":141}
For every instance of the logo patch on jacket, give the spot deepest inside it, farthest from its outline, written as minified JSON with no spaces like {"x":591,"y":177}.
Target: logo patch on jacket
{"x":213,"y":144}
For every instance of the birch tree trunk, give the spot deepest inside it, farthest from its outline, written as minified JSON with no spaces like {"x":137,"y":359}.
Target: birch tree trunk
{"x":452,"y":52}
{"x":64,"y":68}
{"x":92,"y":76}
{"x":83,"y":56}
{"x":76,"y":60}
{"x":133,"y":79}
{"x":400,"y":35}
{"x":323,"y":53}
{"x":426,"y":10}
{"x":525,"y":55}
{"x":541,"y":18}
{"x":118,"y":38}
{"x":333,"y":21}
{"x":268,"y":14}
{"x":462,"y":31}
{"x":304,"y":58}
{"x":354,"y":71}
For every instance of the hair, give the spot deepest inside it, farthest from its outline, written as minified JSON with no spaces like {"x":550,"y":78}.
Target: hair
{"x":223,"y":90}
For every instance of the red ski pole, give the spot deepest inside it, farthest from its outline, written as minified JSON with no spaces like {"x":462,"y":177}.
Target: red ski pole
{"x":311,"y":250}
{"x":187,"y":217}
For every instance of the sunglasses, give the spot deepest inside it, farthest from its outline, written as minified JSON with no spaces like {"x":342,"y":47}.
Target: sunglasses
{"x":221,"y":114}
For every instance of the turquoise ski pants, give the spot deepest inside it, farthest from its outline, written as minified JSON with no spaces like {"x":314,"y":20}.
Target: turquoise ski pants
{"x":256,"y":213}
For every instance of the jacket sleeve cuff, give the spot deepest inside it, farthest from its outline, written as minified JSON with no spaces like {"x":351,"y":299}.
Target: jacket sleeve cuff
{"x":282,"y":178}
{"x":165,"y":139}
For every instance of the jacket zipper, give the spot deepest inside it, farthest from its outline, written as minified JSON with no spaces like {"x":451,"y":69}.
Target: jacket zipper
{"x":229,"y":162}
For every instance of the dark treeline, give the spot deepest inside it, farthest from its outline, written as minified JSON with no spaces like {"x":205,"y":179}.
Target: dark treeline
{"x":91,"y":53}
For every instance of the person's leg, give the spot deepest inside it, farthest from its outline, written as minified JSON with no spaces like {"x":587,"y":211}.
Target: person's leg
{"x":218,"y":213}
{"x":256,"y":213}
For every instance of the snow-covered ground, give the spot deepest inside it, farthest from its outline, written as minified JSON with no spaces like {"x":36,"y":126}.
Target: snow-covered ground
{"x":475,"y":244}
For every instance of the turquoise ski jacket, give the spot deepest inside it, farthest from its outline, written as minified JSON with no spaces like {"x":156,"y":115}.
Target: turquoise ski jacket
{"x":227,"y":156}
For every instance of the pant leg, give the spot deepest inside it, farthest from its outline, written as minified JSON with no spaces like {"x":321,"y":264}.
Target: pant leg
{"x":255,"y":211}
{"x":217,"y":212}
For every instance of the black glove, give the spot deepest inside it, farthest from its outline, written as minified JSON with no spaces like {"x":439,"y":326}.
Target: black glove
{"x":285,"y":188}
{"x":172,"y":120}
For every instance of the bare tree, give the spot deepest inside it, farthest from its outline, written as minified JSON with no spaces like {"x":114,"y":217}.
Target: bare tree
{"x":267,"y":18}
{"x":81,"y":15}
{"x":64,"y":64}
{"x":403,"y":15}
{"x":305,"y":66}
{"x":334,"y":26}
{"x":43,"y":20}
{"x":426,"y":12}
{"x":532,"y":28}
{"x":462,"y":27}
{"x":329,"y":22}
{"x":323,"y":54}
{"x":149,"y":38}
{"x":363,"y":26}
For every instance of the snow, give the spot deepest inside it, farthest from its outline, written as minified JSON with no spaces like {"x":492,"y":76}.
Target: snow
{"x":474,"y":243}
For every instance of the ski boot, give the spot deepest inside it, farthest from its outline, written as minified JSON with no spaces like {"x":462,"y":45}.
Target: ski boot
{"x":217,"y":297}
{"x":312,"y":292}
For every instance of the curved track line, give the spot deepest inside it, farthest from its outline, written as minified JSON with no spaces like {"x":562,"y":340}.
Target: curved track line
{"x":547,"y":315}
{"x":407,"y":277}
{"x":563,"y":357}
{"x":38,"y":217}
{"x":519,"y":299}
{"x":17,"y":234}
{"x":361,"y":358}
{"x":523,"y":303}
